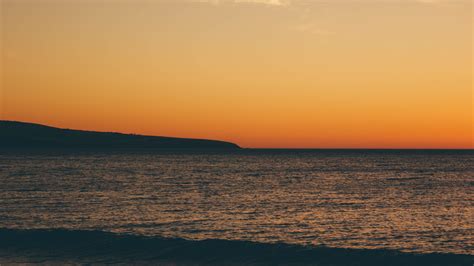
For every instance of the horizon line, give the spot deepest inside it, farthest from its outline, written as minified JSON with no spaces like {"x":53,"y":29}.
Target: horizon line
{"x":375,"y":149}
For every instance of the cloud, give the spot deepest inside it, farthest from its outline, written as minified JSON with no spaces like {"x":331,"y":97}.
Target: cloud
{"x":266,"y":2}
{"x":296,"y":2}
{"x":263,"y":2}
{"x":311,"y":28}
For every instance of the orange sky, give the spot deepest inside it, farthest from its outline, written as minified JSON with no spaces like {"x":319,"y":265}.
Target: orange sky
{"x":261,"y":73}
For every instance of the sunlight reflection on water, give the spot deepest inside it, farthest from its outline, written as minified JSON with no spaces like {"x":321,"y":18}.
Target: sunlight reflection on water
{"x":405,"y":201}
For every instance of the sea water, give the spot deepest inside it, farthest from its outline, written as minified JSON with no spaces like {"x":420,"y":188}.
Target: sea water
{"x":412,"y":201}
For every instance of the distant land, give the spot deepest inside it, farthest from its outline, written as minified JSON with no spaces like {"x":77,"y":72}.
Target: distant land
{"x":21,"y":135}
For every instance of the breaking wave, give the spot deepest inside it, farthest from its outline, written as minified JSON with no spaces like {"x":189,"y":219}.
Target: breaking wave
{"x":67,"y":246}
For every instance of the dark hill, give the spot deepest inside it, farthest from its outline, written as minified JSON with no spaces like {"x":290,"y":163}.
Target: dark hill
{"x":19,"y":135}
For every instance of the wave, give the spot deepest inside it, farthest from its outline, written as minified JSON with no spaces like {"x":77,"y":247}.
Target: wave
{"x":81,"y":246}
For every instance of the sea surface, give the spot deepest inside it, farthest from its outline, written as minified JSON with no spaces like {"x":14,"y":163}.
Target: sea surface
{"x":409,"y":201}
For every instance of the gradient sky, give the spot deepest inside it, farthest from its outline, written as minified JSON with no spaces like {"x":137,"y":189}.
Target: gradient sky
{"x":261,"y":73}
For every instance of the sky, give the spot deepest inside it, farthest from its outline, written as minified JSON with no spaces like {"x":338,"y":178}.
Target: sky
{"x":260,"y":73}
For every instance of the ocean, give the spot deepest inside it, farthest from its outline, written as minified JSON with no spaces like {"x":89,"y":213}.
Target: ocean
{"x":402,"y":201}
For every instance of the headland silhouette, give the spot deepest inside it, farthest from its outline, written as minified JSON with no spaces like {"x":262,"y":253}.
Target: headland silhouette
{"x":20,"y":135}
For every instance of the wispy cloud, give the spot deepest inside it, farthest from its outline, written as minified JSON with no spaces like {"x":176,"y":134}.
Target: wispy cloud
{"x":290,"y":2}
{"x":311,"y":28}
{"x":266,"y":2}
{"x":263,"y":2}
